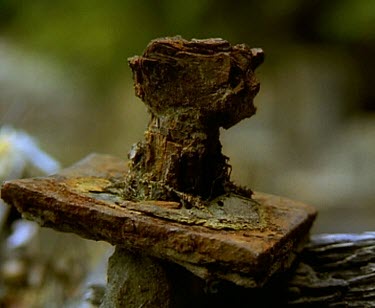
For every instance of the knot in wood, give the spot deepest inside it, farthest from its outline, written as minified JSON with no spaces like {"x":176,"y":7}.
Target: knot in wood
{"x":191,"y":89}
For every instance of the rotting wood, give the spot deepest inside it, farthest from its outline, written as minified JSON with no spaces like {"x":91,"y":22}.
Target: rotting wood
{"x":191,"y":89}
{"x":336,"y":270}
{"x":176,"y":202}
{"x":81,"y":199}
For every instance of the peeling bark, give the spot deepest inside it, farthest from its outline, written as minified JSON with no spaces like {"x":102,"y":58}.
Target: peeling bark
{"x":191,"y":89}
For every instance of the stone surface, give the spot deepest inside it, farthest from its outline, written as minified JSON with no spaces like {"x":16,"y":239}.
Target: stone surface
{"x":87,"y":200}
{"x":129,"y":276}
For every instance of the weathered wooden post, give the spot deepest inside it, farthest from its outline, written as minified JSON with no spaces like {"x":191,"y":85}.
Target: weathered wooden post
{"x":174,"y":208}
{"x":191,"y":89}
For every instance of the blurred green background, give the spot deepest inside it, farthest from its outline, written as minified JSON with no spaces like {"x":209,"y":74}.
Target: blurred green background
{"x":64,"y":79}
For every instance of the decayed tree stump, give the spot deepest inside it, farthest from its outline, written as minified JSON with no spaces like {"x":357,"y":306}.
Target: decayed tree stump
{"x":191,"y":89}
{"x":175,"y":208}
{"x":178,"y":246}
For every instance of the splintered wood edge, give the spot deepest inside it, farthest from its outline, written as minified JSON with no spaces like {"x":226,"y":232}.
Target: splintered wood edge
{"x":247,"y":258}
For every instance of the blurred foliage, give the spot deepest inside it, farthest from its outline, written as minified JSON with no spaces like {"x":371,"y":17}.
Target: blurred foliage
{"x":98,"y":36}
{"x":349,"y":21}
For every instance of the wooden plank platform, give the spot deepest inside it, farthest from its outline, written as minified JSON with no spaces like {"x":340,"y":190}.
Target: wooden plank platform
{"x":85,"y":199}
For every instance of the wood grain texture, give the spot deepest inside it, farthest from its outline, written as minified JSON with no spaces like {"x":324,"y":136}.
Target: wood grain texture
{"x":191,"y":89}
{"x":86,"y":200}
{"x":336,"y":270}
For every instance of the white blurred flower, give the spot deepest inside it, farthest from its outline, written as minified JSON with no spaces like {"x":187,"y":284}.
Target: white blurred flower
{"x":23,"y":232}
{"x":20,"y":155}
